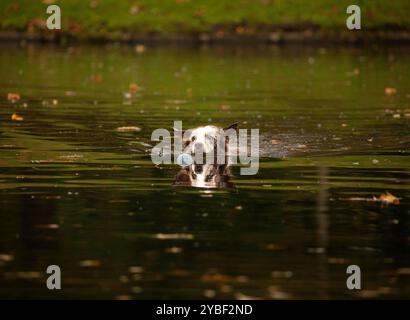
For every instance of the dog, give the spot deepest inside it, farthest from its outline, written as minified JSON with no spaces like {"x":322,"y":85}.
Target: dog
{"x":203,"y":143}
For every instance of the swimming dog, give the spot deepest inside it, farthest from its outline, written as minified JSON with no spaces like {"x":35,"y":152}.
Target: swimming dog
{"x":204,"y":143}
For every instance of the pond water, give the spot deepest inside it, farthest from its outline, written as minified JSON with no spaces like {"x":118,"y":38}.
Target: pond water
{"x":78,"y":193}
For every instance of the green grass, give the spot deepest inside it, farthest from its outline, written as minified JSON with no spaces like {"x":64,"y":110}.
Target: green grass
{"x":82,"y":18}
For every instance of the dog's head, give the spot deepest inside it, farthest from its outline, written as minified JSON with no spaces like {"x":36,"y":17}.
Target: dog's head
{"x":206,"y":139}
{"x":204,"y":176}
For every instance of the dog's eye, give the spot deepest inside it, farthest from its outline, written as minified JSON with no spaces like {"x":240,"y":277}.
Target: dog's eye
{"x":193,"y":139}
{"x":186,"y":143}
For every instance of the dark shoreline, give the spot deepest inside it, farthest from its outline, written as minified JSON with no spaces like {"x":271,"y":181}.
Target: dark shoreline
{"x":279,"y":36}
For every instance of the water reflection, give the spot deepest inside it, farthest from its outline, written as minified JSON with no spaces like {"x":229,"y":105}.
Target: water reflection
{"x":204,"y":176}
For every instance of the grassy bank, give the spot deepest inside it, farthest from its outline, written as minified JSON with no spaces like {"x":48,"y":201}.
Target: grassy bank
{"x":122,"y":19}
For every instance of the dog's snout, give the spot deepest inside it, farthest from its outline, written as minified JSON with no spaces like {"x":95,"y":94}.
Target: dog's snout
{"x":198,"y":147}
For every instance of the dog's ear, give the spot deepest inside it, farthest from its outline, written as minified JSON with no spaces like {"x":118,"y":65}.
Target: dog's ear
{"x":184,"y":133}
{"x":233,"y":126}
{"x":178,"y":131}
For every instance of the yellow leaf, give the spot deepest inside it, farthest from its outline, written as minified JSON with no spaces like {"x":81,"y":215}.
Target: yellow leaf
{"x":96,"y":78}
{"x":388,"y":198}
{"x":390,"y":91}
{"x":16,"y":117}
{"x":128,"y":129}
{"x":217,"y":278}
{"x":140,"y":48}
{"x":13,"y":97}
{"x":90,"y":263}
{"x":133,"y":88}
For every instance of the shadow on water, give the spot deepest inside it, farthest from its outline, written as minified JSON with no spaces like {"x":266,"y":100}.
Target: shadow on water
{"x":80,"y":191}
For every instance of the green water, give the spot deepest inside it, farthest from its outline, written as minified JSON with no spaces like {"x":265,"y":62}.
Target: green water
{"x":76,"y":193}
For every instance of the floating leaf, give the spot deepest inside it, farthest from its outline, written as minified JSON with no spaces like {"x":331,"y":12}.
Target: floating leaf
{"x":241,"y":296}
{"x":388,"y":198}
{"x":209,"y":293}
{"x":140,"y":48}
{"x":134,"y":9}
{"x":274,"y":141}
{"x":275,"y":293}
{"x":135,"y":269}
{"x":47,"y":226}
{"x":6,"y":257}
{"x":384,"y":198}
{"x":16,"y":117}
{"x":123,"y":297}
{"x":128,"y":129}
{"x":28,"y":274}
{"x":133,"y":88}
{"x":90,"y":263}
{"x":96,"y":77}
{"x":173,"y":250}
{"x":217,"y":278}
{"x":13,"y":97}
{"x":174,"y":236}
{"x":402,"y":271}
{"x":390,"y":91}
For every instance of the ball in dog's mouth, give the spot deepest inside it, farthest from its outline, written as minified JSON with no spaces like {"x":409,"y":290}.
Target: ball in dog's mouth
{"x":184,"y":159}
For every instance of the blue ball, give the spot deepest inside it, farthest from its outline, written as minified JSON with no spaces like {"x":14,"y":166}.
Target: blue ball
{"x":184,"y":159}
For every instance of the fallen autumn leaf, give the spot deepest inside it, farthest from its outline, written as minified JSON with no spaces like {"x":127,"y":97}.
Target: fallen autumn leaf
{"x":16,"y":117}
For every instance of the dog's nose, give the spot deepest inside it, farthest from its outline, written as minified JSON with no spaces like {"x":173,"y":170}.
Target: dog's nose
{"x":198,"y":168}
